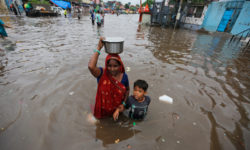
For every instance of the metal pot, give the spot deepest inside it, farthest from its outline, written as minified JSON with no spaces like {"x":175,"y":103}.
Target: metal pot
{"x":113,"y":45}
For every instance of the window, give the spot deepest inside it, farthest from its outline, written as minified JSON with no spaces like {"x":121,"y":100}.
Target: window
{"x":199,"y":10}
{"x":195,"y":11}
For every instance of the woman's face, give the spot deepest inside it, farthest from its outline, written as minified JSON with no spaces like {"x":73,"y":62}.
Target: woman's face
{"x":113,"y":67}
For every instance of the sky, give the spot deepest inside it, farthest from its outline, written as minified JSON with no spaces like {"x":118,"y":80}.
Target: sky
{"x":133,"y":2}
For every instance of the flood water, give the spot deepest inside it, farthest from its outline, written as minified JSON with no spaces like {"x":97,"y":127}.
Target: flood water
{"x":47,"y":92}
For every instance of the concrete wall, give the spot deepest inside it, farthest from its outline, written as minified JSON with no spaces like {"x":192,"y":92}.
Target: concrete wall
{"x":3,"y":8}
{"x":213,"y":16}
{"x":216,"y":11}
{"x":196,"y":21}
{"x":243,"y":21}
{"x":2,"y":5}
{"x":192,"y":22}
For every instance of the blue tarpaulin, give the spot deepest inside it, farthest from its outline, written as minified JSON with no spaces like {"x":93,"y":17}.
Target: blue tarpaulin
{"x":62,"y":4}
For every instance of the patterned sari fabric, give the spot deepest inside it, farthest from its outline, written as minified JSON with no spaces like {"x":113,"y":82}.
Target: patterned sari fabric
{"x":110,"y":92}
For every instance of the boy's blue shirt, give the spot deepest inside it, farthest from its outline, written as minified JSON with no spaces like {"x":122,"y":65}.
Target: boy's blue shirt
{"x":138,"y":110}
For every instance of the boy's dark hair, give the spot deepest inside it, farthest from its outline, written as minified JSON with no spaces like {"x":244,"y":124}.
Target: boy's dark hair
{"x":141,"y":84}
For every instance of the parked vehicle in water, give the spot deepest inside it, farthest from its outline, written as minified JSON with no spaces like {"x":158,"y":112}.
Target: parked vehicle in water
{"x":57,"y":10}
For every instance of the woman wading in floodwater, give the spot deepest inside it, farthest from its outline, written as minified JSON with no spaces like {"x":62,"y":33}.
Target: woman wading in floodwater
{"x":113,"y":83}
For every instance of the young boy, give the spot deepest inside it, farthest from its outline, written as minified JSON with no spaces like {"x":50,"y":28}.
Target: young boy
{"x":137,"y":103}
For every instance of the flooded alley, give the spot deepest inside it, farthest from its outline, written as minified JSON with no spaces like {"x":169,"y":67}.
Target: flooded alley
{"x":47,"y":92}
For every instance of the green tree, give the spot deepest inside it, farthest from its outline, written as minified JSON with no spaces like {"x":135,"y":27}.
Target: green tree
{"x":117,"y":7}
{"x":133,"y":8}
{"x":126,"y":6}
{"x":149,"y":2}
{"x":39,"y":2}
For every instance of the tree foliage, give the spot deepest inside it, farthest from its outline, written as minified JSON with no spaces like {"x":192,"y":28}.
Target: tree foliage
{"x":39,"y":1}
{"x":133,"y":8}
{"x":126,"y":6}
{"x":149,"y":2}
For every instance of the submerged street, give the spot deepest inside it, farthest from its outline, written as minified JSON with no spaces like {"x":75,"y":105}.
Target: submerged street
{"x":47,"y":92}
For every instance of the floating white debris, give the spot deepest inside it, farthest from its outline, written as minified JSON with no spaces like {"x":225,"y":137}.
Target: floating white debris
{"x":166,"y":98}
{"x":128,"y":69}
{"x":91,"y":119}
{"x":71,"y":93}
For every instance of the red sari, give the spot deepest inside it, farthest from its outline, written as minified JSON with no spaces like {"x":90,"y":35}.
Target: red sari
{"x":110,"y":92}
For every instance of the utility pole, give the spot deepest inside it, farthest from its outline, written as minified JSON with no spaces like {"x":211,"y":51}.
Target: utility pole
{"x":178,"y":14}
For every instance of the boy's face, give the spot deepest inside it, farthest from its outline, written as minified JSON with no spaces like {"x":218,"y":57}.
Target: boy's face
{"x":138,"y":93}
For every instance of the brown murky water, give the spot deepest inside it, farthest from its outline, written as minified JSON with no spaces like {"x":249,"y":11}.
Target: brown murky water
{"x":47,"y":92}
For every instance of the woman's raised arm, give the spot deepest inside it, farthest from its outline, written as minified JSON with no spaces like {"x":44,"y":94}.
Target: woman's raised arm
{"x":95,"y":71}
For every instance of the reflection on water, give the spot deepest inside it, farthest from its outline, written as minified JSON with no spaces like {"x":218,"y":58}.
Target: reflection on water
{"x":110,"y":132}
{"x":43,"y":66}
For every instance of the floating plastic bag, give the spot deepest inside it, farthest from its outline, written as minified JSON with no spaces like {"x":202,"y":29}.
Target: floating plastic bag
{"x":166,"y":98}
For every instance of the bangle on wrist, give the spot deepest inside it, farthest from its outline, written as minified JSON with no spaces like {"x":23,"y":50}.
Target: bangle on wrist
{"x":95,"y":50}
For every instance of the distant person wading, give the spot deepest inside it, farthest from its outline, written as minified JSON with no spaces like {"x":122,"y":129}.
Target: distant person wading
{"x":65,"y":13}
{"x":3,"y":33}
{"x":98,"y":19}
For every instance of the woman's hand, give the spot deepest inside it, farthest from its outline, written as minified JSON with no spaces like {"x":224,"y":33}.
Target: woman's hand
{"x":117,"y":111}
{"x":116,"y":114}
{"x":100,"y":44}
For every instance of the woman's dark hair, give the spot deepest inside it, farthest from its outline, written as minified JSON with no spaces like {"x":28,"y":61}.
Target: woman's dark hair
{"x":141,"y":84}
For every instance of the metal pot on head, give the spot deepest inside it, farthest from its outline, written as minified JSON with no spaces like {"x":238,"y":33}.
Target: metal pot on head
{"x":113,"y":45}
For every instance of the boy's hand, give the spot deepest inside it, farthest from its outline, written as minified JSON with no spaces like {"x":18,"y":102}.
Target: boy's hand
{"x":116,"y":114}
